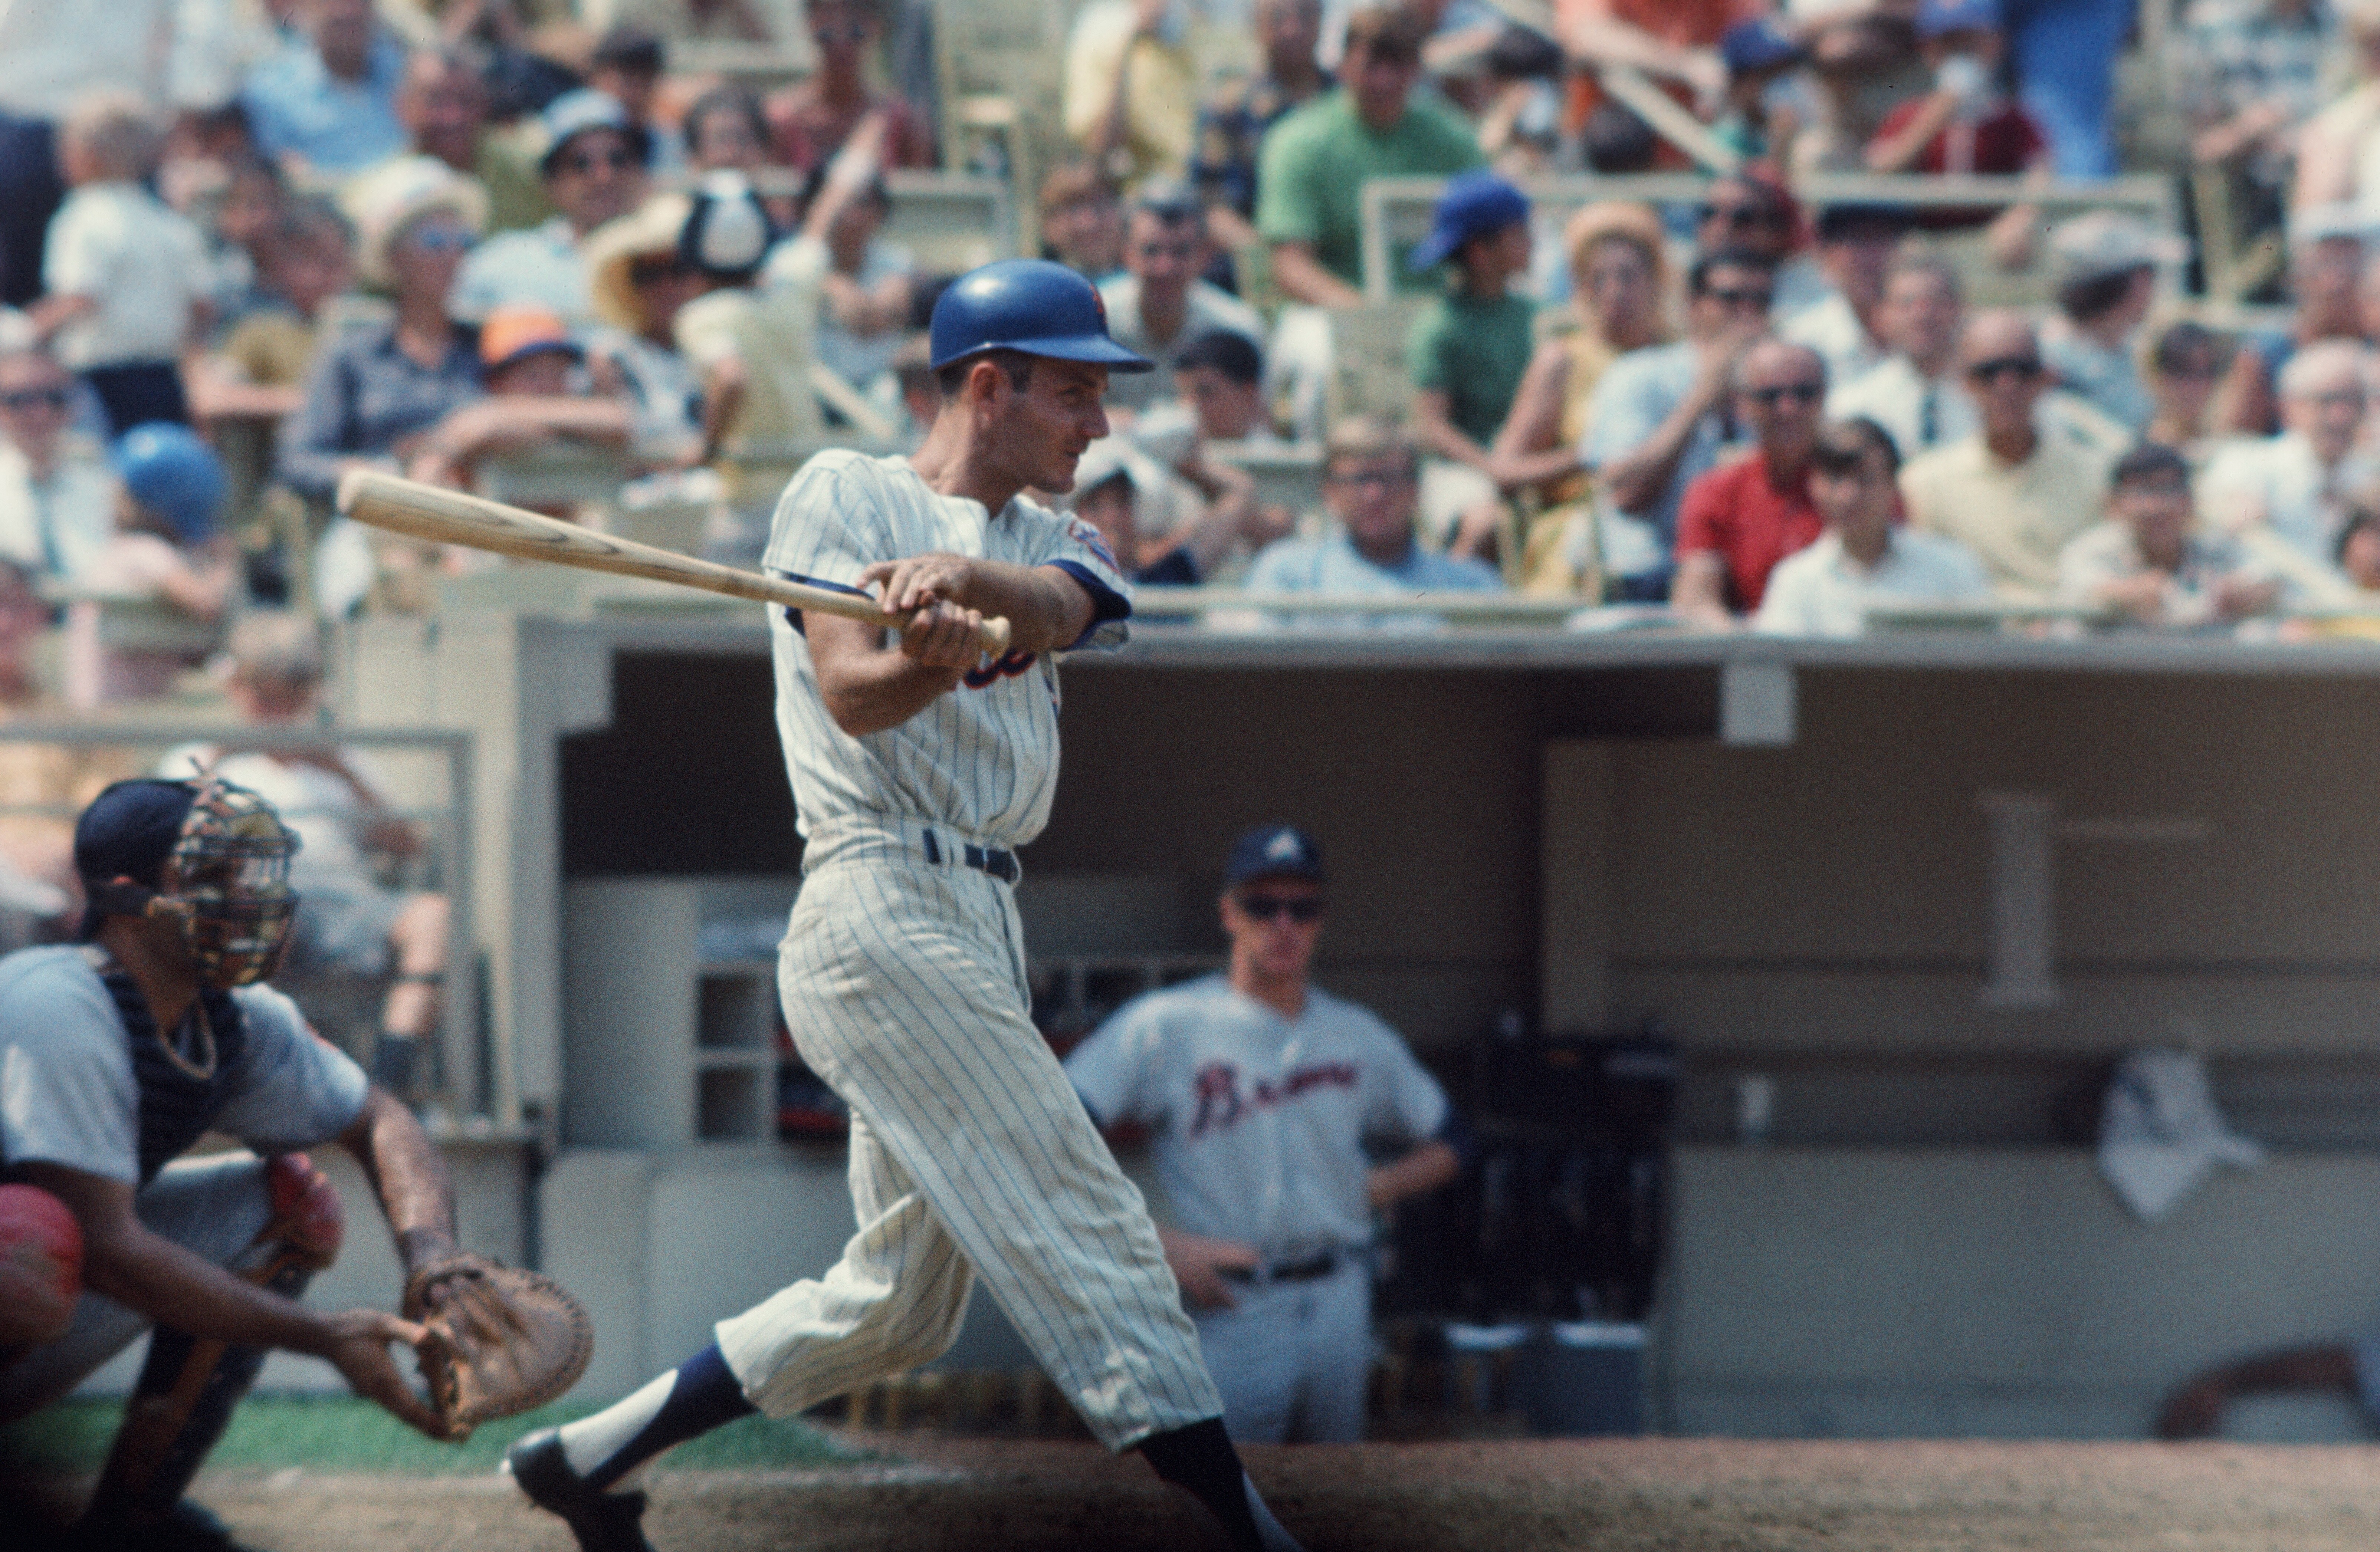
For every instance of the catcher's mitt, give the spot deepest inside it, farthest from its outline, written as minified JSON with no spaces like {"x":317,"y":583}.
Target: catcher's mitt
{"x":501,"y":1340}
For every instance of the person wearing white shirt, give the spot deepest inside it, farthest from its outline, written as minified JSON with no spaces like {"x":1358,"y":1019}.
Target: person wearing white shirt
{"x":1916,"y":394}
{"x":57,"y":507}
{"x":1864,"y":558}
{"x":1371,"y":481}
{"x":129,"y":285}
{"x":2298,"y":483}
{"x":1159,"y":304}
{"x":594,"y":171}
{"x":1855,"y":244}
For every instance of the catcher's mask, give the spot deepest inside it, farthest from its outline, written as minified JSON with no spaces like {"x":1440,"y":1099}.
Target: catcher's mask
{"x":219,"y":856}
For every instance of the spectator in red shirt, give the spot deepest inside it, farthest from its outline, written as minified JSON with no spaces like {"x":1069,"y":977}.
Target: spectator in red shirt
{"x":1968,"y":122}
{"x":809,"y":120}
{"x":1738,"y":520}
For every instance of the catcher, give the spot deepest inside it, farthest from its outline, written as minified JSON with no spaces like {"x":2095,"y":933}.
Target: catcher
{"x":116,"y":1053}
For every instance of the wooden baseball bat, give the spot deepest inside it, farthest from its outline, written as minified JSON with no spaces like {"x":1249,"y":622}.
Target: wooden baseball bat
{"x":445,"y":516}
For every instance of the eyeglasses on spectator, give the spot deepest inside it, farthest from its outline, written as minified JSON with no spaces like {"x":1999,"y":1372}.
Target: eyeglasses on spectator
{"x":2024,"y":368}
{"x":1385,"y":479}
{"x":1740,"y":296}
{"x":1272,"y":907}
{"x":439,"y":239}
{"x":613,"y":161}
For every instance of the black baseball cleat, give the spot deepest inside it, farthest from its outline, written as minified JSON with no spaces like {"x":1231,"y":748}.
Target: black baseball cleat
{"x":602,"y":1521}
{"x":186,"y":1527}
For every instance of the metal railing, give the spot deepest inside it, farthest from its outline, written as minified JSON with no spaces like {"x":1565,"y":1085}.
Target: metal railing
{"x":1396,"y":211}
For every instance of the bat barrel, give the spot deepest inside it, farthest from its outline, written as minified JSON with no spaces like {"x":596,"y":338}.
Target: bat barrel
{"x":444,"y":516}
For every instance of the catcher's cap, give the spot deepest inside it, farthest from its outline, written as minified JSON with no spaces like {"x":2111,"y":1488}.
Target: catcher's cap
{"x":1026,"y":304}
{"x":130,"y":829}
{"x":1274,"y":851}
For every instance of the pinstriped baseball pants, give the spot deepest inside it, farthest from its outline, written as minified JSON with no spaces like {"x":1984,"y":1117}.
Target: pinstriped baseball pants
{"x":971,"y":1156}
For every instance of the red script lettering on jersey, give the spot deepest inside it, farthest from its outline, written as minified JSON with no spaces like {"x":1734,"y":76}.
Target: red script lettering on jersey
{"x":1221,"y":1105}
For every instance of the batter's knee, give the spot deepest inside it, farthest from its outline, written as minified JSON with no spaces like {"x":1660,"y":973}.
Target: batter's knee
{"x":41,"y":1266}
{"x":307,"y":1216}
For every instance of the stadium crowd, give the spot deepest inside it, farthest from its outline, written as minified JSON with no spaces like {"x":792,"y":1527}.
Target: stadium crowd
{"x":249,"y":245}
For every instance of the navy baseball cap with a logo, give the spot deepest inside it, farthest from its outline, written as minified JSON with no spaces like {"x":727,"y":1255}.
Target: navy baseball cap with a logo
{"x":1274,"y":851}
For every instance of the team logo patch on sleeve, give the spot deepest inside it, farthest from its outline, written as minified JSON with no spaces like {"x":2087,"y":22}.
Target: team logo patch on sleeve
{"x":1089,"y":537}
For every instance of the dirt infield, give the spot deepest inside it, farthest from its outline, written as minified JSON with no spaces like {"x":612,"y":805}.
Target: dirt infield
{"x":1614,"y":1496}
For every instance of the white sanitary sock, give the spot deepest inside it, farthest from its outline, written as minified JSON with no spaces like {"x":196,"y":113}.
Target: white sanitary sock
{"x":589,"y":1442}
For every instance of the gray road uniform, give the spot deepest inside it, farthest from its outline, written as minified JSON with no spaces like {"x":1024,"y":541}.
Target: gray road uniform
{"x":80,"y":1088}
{"x":1260,"y":1125}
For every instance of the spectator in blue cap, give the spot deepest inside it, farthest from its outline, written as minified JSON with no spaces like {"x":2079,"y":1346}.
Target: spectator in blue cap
{"x":1967,"y":123}
{"x":594,"y":171}
{"x":1766,"y":98}
{"x":168,"y":548}
{"x":1469,"y":349}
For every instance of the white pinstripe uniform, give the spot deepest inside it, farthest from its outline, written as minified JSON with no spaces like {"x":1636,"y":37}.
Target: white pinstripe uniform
{"x":903,"y":975}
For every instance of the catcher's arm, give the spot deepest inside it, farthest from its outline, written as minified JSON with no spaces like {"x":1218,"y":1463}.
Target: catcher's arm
{"x":147,"y":1272}
{"x":407,"y":1175}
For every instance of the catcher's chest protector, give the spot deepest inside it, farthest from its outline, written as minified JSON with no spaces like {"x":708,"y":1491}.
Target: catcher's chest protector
{"x":181,"y":1093}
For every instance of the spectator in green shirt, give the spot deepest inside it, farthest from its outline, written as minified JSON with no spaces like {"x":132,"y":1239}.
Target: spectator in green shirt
{"x":1467,"y":352}
{"x":1310,"y":193}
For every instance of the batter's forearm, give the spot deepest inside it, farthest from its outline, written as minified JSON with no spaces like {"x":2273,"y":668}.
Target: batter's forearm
{"x":1047,"y":610}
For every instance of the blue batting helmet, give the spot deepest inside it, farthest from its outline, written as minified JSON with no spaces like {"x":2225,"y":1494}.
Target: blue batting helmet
{"x":174,"y":476}
{"x":1027,"y":305}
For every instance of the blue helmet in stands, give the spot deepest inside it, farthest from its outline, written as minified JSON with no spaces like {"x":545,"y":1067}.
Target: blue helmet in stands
{"x":174,"y":476}
{"x":1027,"y":305}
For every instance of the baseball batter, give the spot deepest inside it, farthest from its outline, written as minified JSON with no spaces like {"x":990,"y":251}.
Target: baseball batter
{"x":1263,"y":1093}
{"x":918,"y":768}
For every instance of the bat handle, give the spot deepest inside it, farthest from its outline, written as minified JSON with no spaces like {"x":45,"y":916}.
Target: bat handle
{"x":992,"y":639}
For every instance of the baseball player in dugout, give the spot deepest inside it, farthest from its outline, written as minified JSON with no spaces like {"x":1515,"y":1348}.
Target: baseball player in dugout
{"x":1262,"y":1093}
{"x":120,"y":1053}
{"x":918,"y":767}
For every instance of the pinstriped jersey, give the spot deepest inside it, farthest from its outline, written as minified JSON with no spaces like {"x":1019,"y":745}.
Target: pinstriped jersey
{"x":982,"y":760}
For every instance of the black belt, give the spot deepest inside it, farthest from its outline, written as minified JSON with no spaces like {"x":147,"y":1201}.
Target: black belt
{"x":983,"y":859}
{"x":1321,"y":1266}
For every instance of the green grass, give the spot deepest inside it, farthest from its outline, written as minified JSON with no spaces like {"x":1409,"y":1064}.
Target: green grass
{"x":341,"y":1433}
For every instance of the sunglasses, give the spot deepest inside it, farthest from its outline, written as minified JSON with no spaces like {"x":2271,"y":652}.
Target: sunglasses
{"x":439,"y":239}
{"x":653,"y":272}
{"x":1272,"y":907}
{"x":1799,"y":393}
{"x":2024,"y":367}
{"x":35,"y":398}
{"x":597,"y":161}
{"x":1744,"y":217}
{"x":1731,"y":297}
